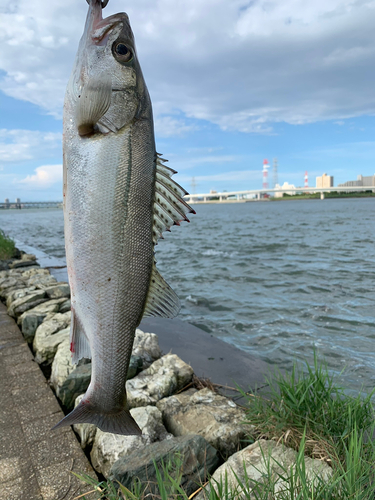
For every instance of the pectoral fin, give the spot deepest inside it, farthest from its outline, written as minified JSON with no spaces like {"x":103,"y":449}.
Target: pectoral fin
{"x":93,"y":103}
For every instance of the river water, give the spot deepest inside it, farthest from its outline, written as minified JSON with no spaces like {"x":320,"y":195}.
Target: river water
{"x":276,"y":279}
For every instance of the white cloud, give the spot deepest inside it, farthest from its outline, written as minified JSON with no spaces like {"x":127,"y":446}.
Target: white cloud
{"x":44,"y":177}
{"x":167,"y":126}
{"x":231,"y":176}
{"x":241,"y":65}
{"x":23,"y":145}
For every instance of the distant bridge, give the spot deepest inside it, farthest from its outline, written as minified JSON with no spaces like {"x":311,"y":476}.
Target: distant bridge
{"x":256,"y":194}
{"x":31,"y":204}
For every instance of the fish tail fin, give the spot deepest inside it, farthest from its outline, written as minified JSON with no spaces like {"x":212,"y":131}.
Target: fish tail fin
{"x":118,"y":423}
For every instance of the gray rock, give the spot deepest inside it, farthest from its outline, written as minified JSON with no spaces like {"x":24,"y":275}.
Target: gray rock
{"x":65,"y":306}
{"x":86,"y":432}
{"x":135,"y":366}
{"x":196,"y":459}
{"x":57,"y":291}
{"x":150,"y":421}
{"x":68,"y":380}
{"x":18,"y":294}
{"x":146,"y":345}
{"x":260,"y":458}
{"x":41,"y":281}
{"x":31,"y":319}
{"x":107,"y":447}
{"x":33,"y":272}
{"x":163,"y":378}
{"x":49,"y":335}
{"x":218,"y":419}
{"x":25,"y":303}
{"x":28,"y":256}
{"x":23,"y":263}
{"x":11,"y":282}
{"x":11,"y":273}
{"x":45,"y":347}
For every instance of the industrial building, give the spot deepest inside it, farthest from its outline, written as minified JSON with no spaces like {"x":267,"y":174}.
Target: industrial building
{"x":325,"y":181}
{"x":368,"y":180}
{"x":286,"y":186}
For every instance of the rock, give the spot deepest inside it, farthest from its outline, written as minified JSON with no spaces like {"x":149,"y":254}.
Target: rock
{"x":11,"y":273}
{"x":28,"y":256}
{"x":68,"y":380}
{"x":31,"y":319}
{"x":146,"y":345}
{"x":254,"y":460}
{"x":196,"y":459}
{"x":107,"y":447}
{"x":33,"y":272}
{"x":65,"y":306}
{"x":45,"y":347}
{"x":23,"y":263}
{"x":18,"y":294}
{"x":49,"y":335}
{"x":163,"y":378}
{"x":58,"y":290}
{"x":86,"y":432}
{"x":135,"y":366}
{"x":41,"y":281}
{"x":11,"y":282}
{"x":150,"y":420}
{"x":216,"y":418}
{"x":4,"y":264}
{"x":27,"y":302}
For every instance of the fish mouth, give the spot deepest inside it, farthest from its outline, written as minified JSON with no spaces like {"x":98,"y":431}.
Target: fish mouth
{"x":96,"y":28}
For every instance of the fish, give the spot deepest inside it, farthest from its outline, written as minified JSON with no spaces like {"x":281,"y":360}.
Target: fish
{"x":119,"y":198}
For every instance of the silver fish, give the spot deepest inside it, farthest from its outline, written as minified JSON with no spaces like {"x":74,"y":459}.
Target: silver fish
{"x":118,"y":199}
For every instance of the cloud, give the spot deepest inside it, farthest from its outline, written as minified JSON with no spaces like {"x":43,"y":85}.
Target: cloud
{"x":240,"y":65}
{"x":23,"y":145}
{"x":230,"y":176}
{"x":168,"y":126}
{"x":45,"y":177}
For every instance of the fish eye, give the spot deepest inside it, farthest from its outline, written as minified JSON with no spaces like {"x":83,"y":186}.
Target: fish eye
{"x":121,"y":52}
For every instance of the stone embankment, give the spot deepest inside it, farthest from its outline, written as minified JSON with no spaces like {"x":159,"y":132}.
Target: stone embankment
{"x":206,"y":430}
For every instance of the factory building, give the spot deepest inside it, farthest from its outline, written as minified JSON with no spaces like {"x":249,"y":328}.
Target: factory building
{"x":288,"y":189}
{"x":325,"y":181}
{"x":364,"y":181}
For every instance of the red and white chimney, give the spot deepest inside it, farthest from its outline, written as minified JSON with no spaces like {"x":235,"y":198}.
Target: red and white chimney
{"x":265,"y":174}
{"x":306,"y":179}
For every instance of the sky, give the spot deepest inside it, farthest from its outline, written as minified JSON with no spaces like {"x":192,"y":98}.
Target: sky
{"x":231,"y":82}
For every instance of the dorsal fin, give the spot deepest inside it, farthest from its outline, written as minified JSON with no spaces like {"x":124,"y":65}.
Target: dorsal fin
{"x":169,"y":206}
{"x":161,"y":299}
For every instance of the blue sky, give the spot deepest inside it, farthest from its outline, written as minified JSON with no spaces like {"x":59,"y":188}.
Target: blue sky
{"x":232,"y":83}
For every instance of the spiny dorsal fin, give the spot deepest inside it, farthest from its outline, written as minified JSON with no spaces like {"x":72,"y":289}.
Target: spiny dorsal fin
{"x":161,"y":299}
{"x":169,"y":206}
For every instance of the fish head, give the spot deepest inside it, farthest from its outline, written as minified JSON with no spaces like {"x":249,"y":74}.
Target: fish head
{"x":106,"y":91}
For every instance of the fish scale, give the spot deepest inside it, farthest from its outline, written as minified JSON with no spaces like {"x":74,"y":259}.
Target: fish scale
{"x":118,"y":199}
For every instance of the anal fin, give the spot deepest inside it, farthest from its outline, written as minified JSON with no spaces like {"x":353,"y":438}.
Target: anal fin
{"x":79,"y":343}
{"x":161,"y":299}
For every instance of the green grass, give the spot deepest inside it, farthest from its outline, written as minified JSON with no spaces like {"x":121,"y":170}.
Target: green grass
{"x":7,"y":246}
{"x":305,"y":410}
{"x":310,"y":402}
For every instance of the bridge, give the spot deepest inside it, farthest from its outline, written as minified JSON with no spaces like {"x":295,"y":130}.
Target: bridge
{"x":30,"y":204}
{"x":256,"y":194}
